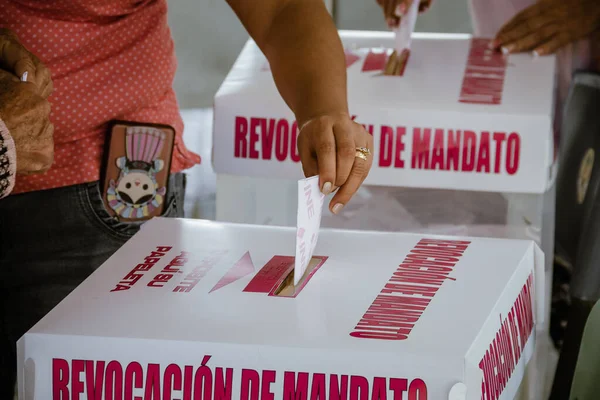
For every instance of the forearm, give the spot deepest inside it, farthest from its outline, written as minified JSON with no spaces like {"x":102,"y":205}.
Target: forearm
{"x":307,"y":59}
{"x":8,"y":161}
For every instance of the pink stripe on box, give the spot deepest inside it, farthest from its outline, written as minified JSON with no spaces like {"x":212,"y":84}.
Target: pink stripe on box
{"x":351,"y":58}
{"x":375,"y":61}
{"x":483,"y":79}
{"x":270,"y":275}
{"x":240,"y":269}
{"x":302,"y":283}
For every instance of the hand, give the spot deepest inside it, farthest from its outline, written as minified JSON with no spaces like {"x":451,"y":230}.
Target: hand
{"x":17,"y":60}
{"x":328,"y":148}
{"x":25,"y":113}
{"x":393,"y":10}
{"x":549,"y":25}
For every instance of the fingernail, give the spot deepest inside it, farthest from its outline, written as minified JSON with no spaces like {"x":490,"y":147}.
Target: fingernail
{"x":24,"y":77}
{"x":402,"y":8}
{"x":536,"y":53}
{"x":327,"y":188}
{"x":506,"y":50}
{"x":337,"y":208}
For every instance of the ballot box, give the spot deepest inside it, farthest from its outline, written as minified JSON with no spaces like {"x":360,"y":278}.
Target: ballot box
{"x":464,"y":142}
{"x":461,"y":118}
{"x":192,"y":309}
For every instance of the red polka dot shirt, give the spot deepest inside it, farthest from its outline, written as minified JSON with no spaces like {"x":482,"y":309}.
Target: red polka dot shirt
{"x":109,"y":59}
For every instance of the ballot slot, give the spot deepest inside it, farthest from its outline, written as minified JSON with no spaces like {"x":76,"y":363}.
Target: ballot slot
{"x":286,"y":288}
{"x":396,"y":63}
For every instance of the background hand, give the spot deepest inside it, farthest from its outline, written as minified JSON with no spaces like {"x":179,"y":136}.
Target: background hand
{"x":328,"y":148}
{"x":548,"y":25}
{"x":26,"y":115}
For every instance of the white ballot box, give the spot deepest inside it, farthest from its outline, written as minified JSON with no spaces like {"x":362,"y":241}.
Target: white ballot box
{"x":191,"y":309}
{"x":464,"y":141}
{"x":461,"y":118}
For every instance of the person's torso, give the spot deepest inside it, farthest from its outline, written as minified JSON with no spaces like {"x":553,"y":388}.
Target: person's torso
{"x":109,"y":59}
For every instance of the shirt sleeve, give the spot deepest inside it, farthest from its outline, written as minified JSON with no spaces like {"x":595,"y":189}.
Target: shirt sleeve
{"x":8,"y":161}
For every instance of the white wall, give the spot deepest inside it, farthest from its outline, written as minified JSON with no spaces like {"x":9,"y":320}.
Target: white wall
{"x":208,"y":37}
{"x":444,"y":16}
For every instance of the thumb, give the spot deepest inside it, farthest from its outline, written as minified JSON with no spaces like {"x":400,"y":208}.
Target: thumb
{"x":16,"y":59}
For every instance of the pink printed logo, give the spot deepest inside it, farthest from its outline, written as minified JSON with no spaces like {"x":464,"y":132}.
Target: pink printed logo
{"x":375,"y":61}
{"x":351,"y":58}
{"x":240,"y":269}
{"x":301,"y":232}
{"x":483,"y":81}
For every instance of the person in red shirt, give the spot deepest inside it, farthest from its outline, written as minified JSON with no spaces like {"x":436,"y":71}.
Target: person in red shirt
{"x":96,"y":61}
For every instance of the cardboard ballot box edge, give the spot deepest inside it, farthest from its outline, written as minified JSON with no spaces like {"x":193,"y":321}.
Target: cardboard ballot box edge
{"x":495,"y":340}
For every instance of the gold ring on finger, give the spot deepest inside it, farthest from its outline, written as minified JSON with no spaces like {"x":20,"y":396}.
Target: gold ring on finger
{"x":362,"y":153}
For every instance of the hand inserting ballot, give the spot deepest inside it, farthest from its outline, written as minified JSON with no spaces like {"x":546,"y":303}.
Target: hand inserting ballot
{"x":337,"y":149}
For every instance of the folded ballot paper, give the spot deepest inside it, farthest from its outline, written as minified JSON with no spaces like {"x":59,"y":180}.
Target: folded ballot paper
{"x":308,"y":223}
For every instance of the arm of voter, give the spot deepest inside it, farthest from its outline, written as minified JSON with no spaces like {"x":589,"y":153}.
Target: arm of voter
{"x":308,"y":64}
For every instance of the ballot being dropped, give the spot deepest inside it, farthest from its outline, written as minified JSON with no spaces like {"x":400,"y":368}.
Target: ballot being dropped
{"x":402,"y":38}
{"x":308,"y":223}
{"x":310,"y":208}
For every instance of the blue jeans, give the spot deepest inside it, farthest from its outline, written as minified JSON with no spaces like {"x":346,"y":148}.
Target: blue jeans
{"x":50,"y":241}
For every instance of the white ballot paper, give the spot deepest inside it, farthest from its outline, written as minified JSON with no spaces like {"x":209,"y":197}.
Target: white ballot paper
{"x":310,"y":207}
{"x":406,"y":27}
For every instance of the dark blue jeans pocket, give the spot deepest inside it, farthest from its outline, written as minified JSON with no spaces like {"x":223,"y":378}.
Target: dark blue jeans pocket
{"x":95,"y":210}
